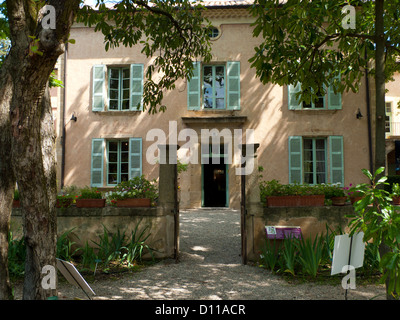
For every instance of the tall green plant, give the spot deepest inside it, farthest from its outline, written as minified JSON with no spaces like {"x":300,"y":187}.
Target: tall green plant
{"x":137,"y":245}
{"x":310,"y":254}
{"x":380,"y":222}
{"x":110,"y":248}
{"x":88,"y":257}
{"x":270,"y":254}
{"x":289,"y":255}
{"x":64,"y":246}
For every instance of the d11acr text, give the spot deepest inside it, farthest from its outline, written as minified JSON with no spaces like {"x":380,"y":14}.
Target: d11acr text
{"x":235,"y":309}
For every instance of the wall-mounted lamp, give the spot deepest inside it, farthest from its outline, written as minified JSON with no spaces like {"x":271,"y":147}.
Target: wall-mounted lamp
{"x":73,"y":117}
{"x":359,"y":114}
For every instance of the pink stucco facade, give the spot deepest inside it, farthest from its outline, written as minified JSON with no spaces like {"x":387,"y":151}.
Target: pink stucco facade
{"x":263,"y":108}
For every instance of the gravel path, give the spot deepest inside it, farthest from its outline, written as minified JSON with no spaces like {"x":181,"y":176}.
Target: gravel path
{"x":210,"y":268}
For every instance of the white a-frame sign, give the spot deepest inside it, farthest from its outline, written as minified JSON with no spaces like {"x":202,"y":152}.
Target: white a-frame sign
{"x":348,"y":251}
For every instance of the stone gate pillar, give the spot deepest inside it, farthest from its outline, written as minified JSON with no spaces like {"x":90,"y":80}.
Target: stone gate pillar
{"x":168,"y":197}
{"x":254,"y":221}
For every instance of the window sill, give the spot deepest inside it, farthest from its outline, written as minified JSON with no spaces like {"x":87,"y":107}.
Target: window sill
{"x":315,"y":111}
{"x":213,"y":111}
{"x":215,"y":119}
{"x":118,"y":112}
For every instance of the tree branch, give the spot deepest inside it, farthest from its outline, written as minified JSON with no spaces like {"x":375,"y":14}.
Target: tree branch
{"x":166,"y":14}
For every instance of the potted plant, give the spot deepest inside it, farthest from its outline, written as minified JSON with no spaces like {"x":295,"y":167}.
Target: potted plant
{"x":354,"y":194}
{"x":136,"y":192}
{"x":396,"y":194}
{"x":64,"y":200}
{"x":336,"y":194}
{"x":16,"y":201}
{"x":90,"y":198}
{"x":291,"y":195}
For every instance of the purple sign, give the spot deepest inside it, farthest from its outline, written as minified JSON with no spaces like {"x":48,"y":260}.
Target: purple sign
{"x":280,"y":232}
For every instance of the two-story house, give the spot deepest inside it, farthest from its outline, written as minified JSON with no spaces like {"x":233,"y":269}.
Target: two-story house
{"x":110,"y":141}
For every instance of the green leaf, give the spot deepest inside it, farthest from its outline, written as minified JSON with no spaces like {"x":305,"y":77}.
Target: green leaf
{"x":379,"y":171}
{"x":368,"y":174}
{"x":382,"y":180}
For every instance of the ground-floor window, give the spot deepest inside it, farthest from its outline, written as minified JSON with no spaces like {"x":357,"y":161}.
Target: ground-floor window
{"x":315,"y":160}
{"x":115,"y":159}
{"x":314,"y":151}
{"x":118,"y":161}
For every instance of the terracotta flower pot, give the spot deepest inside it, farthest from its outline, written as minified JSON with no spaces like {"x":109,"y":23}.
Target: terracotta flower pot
{"x":355,"y":199}
{"x":396,"y":200}
{"x":16,"y":203}
{"x":90,"y":203}
{"x":296,"y":201}
{"x":338,"y":201}
{"x":134,"y":202}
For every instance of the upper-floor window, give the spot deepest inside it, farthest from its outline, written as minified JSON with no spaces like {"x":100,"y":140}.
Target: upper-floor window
{"x":388,"y":118}
{"x":214,"y":87}
{"x":213,"y":33}
{"x":318,"y":103}
{"x":117,"y":88}
{"x":328,"y":100}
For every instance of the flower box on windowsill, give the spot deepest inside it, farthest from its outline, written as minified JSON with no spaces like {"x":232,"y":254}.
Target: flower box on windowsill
{"x":134,"y":202}
{"x":296,"y":201}
{"x":90,"y":203}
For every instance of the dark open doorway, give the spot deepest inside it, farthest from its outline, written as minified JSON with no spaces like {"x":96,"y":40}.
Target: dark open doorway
{"x":215,"y":185}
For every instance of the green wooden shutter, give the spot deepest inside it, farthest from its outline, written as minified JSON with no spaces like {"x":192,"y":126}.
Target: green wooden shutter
{"x":233,"y":85}
{"x":295,"y":159}
{"x":194,"y":88}
{"x":293,"y":102}
{"x":336,"y":159}
{"x":136,"y":101}
{"x":334,"y":99}
{"x":99,"y":91}
{"x":135,"y":157}
{"x":96,"y":171}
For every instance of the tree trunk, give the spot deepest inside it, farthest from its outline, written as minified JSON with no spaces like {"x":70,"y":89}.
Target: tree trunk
{"x":38,"y":194}
{"x":34,"y":168}
{"x":7,"y":180}
{"x":32,"y":135}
